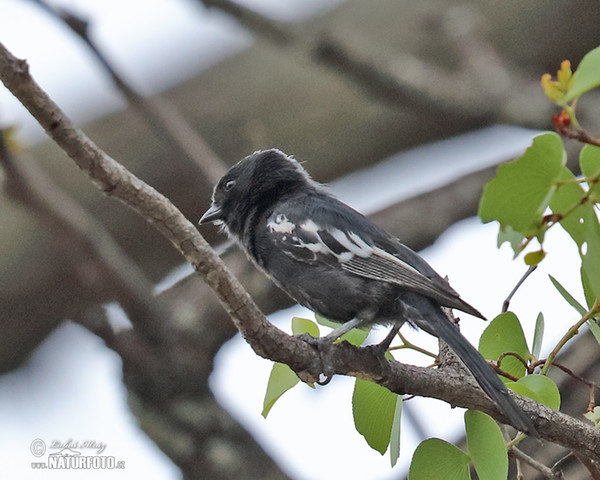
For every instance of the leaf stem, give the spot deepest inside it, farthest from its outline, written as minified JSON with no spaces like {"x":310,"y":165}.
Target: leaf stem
{"x":412,"y":346}
{"x":570,"y":109}
{"x":516,"y":440}
{"x":568,"y":335}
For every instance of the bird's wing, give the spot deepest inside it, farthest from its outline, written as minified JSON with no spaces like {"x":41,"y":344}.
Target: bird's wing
{"x":332,"y":233}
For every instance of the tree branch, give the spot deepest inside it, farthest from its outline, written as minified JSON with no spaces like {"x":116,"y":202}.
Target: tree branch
{"x":109,"y":270}
{"x":422,"y":86}
{"x":159,"y":113}
{"x":169,"y":394}
{"x":540,"y":467}
{"x":268,"y":341}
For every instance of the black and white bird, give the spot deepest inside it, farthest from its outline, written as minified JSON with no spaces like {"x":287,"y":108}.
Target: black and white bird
{"x":333,"y":260}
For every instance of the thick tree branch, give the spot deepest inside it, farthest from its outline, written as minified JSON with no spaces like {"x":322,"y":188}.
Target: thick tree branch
{"x":448,"y":385}
{"x":109,"y":271}
{"x":166,"y":372}
{"x":116,"y":181}
{"x":403,"y":79}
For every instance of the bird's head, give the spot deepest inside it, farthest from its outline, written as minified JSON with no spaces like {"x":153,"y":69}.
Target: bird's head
{"x":254,"y":184}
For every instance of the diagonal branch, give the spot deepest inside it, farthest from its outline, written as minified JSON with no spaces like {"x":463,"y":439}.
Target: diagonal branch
{"x":447,"y":384}
{"x":116,"y":274}
{"x":159,"y":113}
{"x":404,"y":79}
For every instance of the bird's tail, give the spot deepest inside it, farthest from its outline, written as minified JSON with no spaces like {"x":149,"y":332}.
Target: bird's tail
{"x":487,"y":379}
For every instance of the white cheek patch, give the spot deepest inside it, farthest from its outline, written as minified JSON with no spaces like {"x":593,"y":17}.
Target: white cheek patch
{"x":281,"y":224}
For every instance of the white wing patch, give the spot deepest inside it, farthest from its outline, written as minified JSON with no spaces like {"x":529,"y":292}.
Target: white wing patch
{"x":280,"y":224}
{"x":314,"y":247}
{"x":310,"y":226}
{"x":306,"y":240}
{"x":388,"y":256}
{"x":352,"y":242}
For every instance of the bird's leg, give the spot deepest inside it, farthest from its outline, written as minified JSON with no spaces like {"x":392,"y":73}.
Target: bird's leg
{"x":342,"y":330}
{"x":323,"y":344}
{"x":385,"y":343}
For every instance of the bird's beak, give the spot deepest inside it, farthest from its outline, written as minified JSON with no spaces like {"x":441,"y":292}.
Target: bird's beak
{"x":212,"y":214}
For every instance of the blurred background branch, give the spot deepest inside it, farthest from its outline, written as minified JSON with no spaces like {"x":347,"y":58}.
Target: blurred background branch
{"x":166,"y":121}
{"x":341,"y":91}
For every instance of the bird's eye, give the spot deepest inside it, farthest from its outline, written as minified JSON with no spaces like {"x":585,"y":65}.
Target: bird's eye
{"x":228,"y":185}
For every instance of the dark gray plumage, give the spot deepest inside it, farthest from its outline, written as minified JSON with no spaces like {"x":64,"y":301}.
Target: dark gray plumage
{"x":333,"y":260}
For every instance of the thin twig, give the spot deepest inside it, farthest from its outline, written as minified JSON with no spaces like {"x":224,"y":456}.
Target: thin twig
{"x":568,"y":335}
{"x":592,"y":386}
{"x":268,"y":29}
{"x":498,"y":369}
{"x":160,"y":114}
{"x":506,"y":303}
{"x":407,"y":344}
{"x":557,"y":465}
{"x":571,"y":373}
{"x":583,"y":137}
{"x":564,"y":126}
{"x":540,"y":467}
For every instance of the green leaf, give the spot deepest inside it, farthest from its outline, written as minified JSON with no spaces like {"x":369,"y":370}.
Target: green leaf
{"x":523,"y":390}
{"x":504,"y":334}
{"x":594,"y":416}
{"x":589,"y":161}
{"x":374,"y":409}
{"x":545,"y":390}
{"x":282,"y":378}
{"x":534,"y":258}
{"x":591,"y":255}
{"x":435,"y":459}
{"x":355,"y":336}
{"x":522,"y":189}
{"x":582,"y":225}
{"x":395,"y":435}
{"x":567,"y":296}
{"x":538,"y":336}
{"x":326,"y":322}
{"x":486,"y":446}
{"x":590,"y":298}
{"x":587,"y":75}
{"x":568,"y":196}
{"x":304,"y":325}
{"x":515,"y":239}
{"x":595,"y":329}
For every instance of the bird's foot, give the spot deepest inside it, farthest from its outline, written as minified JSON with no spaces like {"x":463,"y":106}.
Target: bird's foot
{"x":323,"y":345}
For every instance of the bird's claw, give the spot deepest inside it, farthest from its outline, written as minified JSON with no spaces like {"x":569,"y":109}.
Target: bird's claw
{"x":323,"y":345}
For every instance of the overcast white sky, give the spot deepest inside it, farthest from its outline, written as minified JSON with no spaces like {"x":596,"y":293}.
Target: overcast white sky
{"x":71,"y":386}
